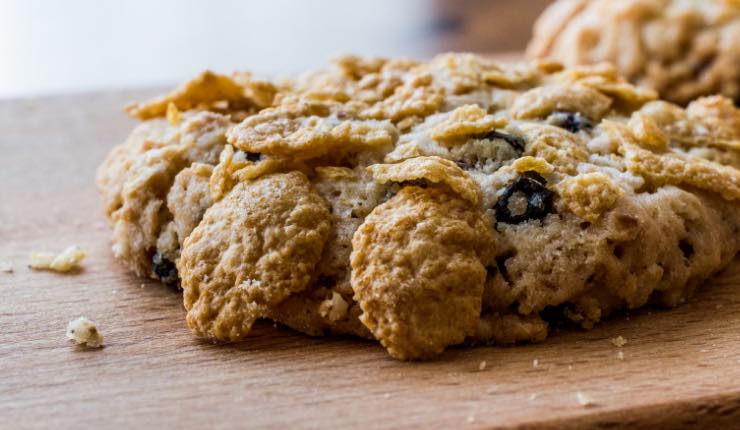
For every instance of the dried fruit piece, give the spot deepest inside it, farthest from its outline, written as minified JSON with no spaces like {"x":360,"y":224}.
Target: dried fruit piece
{"x":573,"y":122}
{"x":516,"y":142}
{"x":164,"y":269}
{"x":525,"y":199}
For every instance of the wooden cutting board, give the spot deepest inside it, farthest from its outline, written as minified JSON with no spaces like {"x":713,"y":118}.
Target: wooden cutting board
{"x":679,"y":367}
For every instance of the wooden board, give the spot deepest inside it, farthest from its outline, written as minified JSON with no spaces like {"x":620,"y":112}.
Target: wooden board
{"x":680,"y":367}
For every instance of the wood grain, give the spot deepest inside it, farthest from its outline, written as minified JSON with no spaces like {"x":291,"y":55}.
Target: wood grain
{"x":681,"y":368}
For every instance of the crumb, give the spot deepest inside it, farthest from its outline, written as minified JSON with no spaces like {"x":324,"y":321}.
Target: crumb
{"x":570,"y":367}
{"x":482,"y":365}
{"x":6,"y":266}
{"x":471,"y":419}
{"x":143,"y":285}
{"x":115,"y":291}
{"x":535,"y":363}
{"x":67,"y":260}
{"x":618,"y":341}
{"x":584,"y":399}
{"x":719,"y":306}
{"x":620,"y":355}
{"x":84,"y":332}
{"x":703,"y":350}
{"x":334,"y":308}
{"x":386,"y":396}
{"x":492,"y":389}
{"x":532,"y":397}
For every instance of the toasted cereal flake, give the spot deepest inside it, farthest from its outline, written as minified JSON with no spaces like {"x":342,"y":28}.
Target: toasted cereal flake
{"x":84,"y":332}
{"x":618,"y":341}
{"x":6,"y":266}
{"x":67,"y":260}
{"x":482,"y":365}
{"x":584,"y":399}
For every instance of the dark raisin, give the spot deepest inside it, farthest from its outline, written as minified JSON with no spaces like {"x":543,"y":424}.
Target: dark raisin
{"x":464,"y":165}
{"x":532,"y":187}
{"x":686,"y":248}
{"x":164,"y":269}
{"x":421,"y":183}
{"x":573,"y":122}
{"x":515,"y":142}
{"x":253,"y":156}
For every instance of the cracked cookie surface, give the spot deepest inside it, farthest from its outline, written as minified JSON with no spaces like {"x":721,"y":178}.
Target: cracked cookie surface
{"x":425,"y":204}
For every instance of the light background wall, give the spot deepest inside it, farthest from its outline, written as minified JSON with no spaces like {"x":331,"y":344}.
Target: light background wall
{"x":61,"y":46}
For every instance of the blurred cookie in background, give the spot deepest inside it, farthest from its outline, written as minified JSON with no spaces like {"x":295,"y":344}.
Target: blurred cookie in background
{"x":682,"y":48}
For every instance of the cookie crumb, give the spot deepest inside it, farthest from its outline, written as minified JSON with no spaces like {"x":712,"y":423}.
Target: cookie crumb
{"x":618,"y":341}
{"x":6,"y":266}
{"x":584,"y":399}
{"x":67,"y":260}
{"x":84,"y":332}
{"x":334,"y":308}
{"x":482,"y":365}
{"x":535,"y":363}
{"x":620,"y":355}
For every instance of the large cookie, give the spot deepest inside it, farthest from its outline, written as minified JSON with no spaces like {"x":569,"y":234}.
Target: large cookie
{"x":426,"y":204}
{"x":683,"y":48}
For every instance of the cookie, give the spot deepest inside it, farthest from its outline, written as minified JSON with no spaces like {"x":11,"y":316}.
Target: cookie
{"x":458,"y":201}
{"x":683,"y":49}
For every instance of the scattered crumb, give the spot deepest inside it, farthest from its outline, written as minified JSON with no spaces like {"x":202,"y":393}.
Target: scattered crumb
{"x":584,"y":399}
{"x":115,"y":291}
{"x":618,"y":341}
{"x":620,"y":355}
{"x":6,"y":266}
{"x":143,"y":285}
{"x":703,"y":350}
{"x":84,"y":332}
{"x":387,"y":395}
{"x":535,"y":363}
{"x":492,"y":389}
{"x":532,"y":397}
{"x":471,"y":419}
{"x":67,"y":260}
{"x":570,"y":367}
{"x":334,"y":308}
{"x":482,"y":365}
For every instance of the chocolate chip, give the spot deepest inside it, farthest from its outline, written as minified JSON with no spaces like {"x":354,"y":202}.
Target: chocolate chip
{"x":531,"y":188}
{"x":516,"y":142}
{"x":573,"y":122}
{"x":164,"y":269}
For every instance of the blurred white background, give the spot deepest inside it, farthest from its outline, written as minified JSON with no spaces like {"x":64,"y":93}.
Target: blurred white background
{"x":60,"y":46}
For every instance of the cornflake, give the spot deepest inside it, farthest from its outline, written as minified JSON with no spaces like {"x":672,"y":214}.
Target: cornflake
{"x":67,"y":260}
